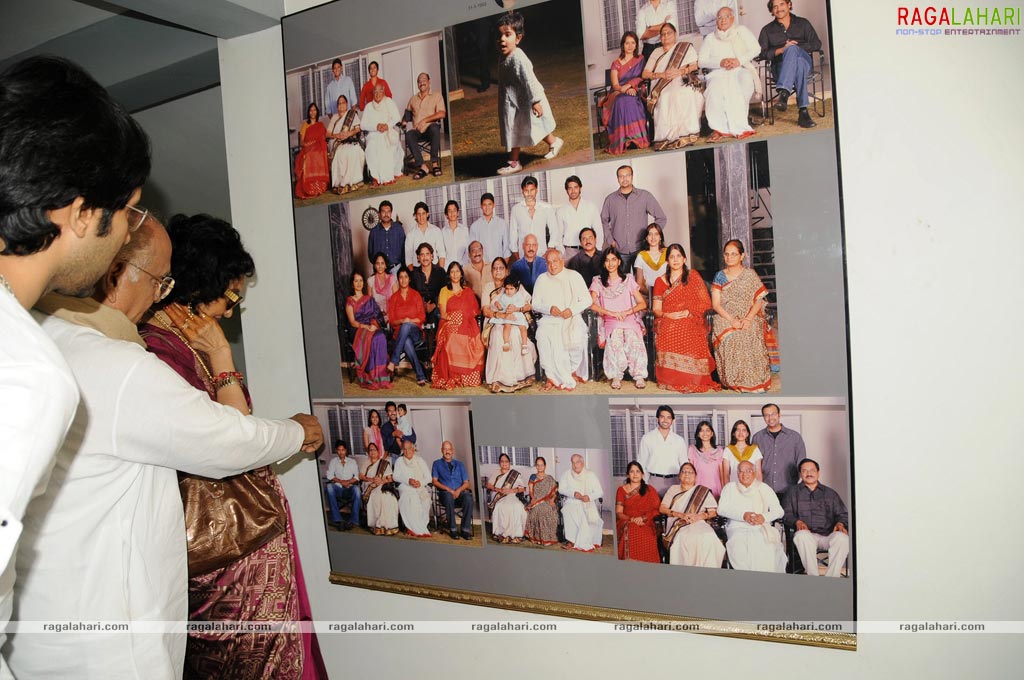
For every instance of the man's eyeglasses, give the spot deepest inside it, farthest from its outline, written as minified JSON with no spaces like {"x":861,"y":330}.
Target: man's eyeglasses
{"x":233,"y":298}
{"x":166,"y":283}
{"x":135,"y":219}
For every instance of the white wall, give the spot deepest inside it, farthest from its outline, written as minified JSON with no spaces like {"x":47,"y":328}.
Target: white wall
{"x":927,"y":387}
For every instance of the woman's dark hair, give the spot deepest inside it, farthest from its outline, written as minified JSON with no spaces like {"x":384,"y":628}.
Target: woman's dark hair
{"x":352,"y":282}
{"x":504,"y":262}
{"x":421,"y":204}
{"x":696,"y":435}
{"x":207,"y":255}
{"x":622,"y":45}
{"x":309,"y":116}
{"x":379,"y":254}
{"x":462,"y":275}
{"x":732,"y":434}
{"x":642,"y":243}
{"x":691,"y":466}
{"x":369,"y":417}
{"x":610,"y":250}
{"x":541,"y":458}
{"x":450,"y":204}
{"x":506,"y":457}
{"x":668,"y":271}
{"x":638,"y":466}
{"x":372,"y":445}
{"x":670,"y":25}
{"x":737,"y":242}
{"x":515,"y":21}
{"x":401,"y":271}
{"x":87,"y":146}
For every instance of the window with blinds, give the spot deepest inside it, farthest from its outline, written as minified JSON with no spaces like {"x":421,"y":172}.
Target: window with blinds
{"x":470,"y":203}
{"x":522,"y":456}
{"x":630,"y":425}
{"x":347,"y":422}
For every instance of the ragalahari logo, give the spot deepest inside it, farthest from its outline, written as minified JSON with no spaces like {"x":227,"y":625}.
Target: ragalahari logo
{"x":958,"y":20}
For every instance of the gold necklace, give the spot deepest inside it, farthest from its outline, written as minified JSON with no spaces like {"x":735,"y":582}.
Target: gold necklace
{"x":170,"y":326}
{"x":6,"y":284}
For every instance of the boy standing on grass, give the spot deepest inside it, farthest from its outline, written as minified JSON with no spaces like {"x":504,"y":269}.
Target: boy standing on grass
{"x":524,"y":114}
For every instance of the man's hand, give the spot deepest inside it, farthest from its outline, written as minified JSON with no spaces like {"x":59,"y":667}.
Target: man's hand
{"x":840,"y":528}
{"x":802,"y":525}
{"x":313,"y":434}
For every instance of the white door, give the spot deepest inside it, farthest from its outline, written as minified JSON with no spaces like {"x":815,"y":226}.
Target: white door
{"x":396,"y":68}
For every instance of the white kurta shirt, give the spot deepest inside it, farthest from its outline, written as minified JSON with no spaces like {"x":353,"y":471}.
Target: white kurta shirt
{"x":661,"y":455}
{"x":758,"y":497}
{"x":38,"y":397}
{"x":521,"y":224}
{"x":571,"y":220}
{"x":416,"y":468}
{"x":456,"y":243}
{"x":107,"y":540}
{"x":648,"y":16}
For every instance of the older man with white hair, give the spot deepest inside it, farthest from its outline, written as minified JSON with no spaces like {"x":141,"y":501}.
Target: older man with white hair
{"x":107,"y":539}
{"x":413,"y":477}
{"x":728,"y":52}
{"x":561,"y":296}
{"x":580,"y":516}
{"x":751,"y":507}
{"x":383,"y":146}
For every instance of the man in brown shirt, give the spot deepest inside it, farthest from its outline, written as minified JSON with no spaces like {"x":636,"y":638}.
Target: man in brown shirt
{"x":425,"y":111}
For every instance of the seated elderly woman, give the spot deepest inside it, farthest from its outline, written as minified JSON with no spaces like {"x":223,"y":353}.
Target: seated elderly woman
{"x":728,"y":52}
{"x":688,"y":506}
{"x":343,"y":150}
{"x":383,"y":146}
{"x":508,"y":516}
{"x":675,"y":96}
{"x":379,"y":498}
{"x":515,"y":369}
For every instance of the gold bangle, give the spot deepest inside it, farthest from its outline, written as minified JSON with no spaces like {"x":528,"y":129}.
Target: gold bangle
{"x":229,"y":380}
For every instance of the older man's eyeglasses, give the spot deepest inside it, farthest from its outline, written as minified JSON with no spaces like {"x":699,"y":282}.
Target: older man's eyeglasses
{"x":136,"y":216}
{"x":233,"y":298}
{"x":165,"y":283}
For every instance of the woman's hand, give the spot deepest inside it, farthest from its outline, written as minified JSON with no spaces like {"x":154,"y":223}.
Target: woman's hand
{"x":201,"y":331}
{"x":639,"y":521}
{"x":737,"y":324}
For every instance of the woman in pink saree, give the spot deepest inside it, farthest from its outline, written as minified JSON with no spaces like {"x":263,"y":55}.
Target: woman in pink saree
{"x":210,"y":267}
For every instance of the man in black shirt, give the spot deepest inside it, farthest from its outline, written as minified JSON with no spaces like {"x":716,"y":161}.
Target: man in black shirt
{"x":588,"y":261}
{"x":819,"y":516}
{"x":788,"y":42}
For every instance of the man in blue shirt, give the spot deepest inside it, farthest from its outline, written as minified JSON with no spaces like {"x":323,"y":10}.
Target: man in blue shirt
{"x":452,"y":482}
{"x":387,"y":237}
{"x":529,"y":267}
{"x":341,"y":85}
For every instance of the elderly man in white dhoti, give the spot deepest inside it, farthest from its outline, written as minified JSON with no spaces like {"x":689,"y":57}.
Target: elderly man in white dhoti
{"x":561,"y":296}
{"x":732,"y":80}
{"x":383,"y":146}
{"x":580,"y":517}
{"x":413,"y":476}
{"x":751,"y":507}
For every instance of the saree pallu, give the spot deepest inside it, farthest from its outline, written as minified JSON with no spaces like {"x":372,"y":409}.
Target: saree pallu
{"x":741,"y":354}
{"x":266,"y":585}
{"x":638,"y":542}
{"x":624,"y":116}
{"x":312,"y":175}
{"x":459,"y":357}
{"x":370,"y":347}
{"x":683,"y":361}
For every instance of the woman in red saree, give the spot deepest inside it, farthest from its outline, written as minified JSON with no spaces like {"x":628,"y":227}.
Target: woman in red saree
{"x":636,"y":506}
{"x":312,"y":173}
{"x":210,"y":267}
{"x":681,"y":299}
{"x":459,"y":357}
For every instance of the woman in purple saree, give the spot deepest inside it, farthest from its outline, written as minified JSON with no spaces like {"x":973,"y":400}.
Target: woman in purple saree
{"x":369,"y":345}
{"x":622,"y":110}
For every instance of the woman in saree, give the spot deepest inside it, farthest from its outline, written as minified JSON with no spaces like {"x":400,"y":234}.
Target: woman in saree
{"x":738,"y":298}
{"x":618,"y":300}
{"x":344,"y":152}
{"x":688,"y":506}
{"x":379,"y":495}
{"x":740,"y":450}
{"x":708,"y":459}
{"x":622,"y":110}
{"x":636,"y":506}
{"x":650,"y":262}
{"x":683,"y":360}
{"x":675,"y":96}
{"x":512,"y":370}
{"x":372,"y":433}
{"x":508,"y":516}
{"x":383,"y":284}
{"x":542,"y":512}
{"x":311,"y":170}
{"x":366,"y":94}
{"x":459,"y":357}
{"x":370,"y":345}
{"x":210,"y":267}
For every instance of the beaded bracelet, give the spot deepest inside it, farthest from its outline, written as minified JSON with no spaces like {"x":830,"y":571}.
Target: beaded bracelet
{"x":233,"y":374}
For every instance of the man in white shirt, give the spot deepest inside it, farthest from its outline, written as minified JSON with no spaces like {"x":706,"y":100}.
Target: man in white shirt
{"x":662,"y":452}
{"x":579,"y":213}
{"x":342,"y":486}
{"x":490,"y":230}
{"x":650,"y":18}
{"x":751,"y":507}
{"x":582,"y":521}
{"x":533,"y":216}
{"x":106,"y":542}
{"x":67,"y":178}
{"x":412,"y":474}
{"x":561,"y":296}
{"x":705,"y":14}
{"x":455,"y":235}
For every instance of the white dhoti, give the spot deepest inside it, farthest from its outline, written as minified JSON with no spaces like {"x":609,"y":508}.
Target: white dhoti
{"x":414,"y":505}
{"x":509,"y":517}
{"x":384,"y":155}
{"x":582,"y":523}
{"x":755,"y":548}
{"x":808,"y":544}
{"x":562,"y":344}
{"x":727,"y":100}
